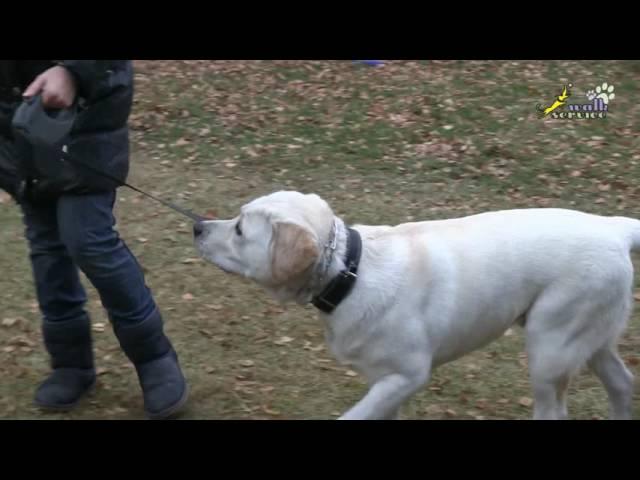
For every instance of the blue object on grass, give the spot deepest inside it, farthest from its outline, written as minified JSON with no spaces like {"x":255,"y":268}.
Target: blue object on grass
{"x":371,"y":63}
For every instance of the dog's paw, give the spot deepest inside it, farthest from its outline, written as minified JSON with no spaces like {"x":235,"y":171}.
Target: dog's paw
{"x":590,"y":95}
{"x":605,"y":92}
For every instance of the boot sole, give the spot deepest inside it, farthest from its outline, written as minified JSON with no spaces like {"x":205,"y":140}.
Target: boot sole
{"x":172,"y":410}
{"x":69,"y":406}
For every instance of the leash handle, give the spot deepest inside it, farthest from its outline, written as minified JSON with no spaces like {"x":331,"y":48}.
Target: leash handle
{"x":51,"y":127}
{"x":42,"y":126}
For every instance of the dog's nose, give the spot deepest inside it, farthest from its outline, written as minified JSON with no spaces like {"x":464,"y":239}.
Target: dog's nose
{"x":198,"y":228}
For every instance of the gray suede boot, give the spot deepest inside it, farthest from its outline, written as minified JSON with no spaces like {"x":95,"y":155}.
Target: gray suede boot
{"x":164,"y":387}
{"x":70,"y":347}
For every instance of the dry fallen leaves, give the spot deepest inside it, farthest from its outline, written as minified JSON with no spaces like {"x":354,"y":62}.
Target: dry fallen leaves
{"x":269,"y":411}
{"x":21,"y":341}
{"x":187,"y":261}
{"x":98,"y":327}
{"x":9,"y":322}
{"x":309,"y":346}
{"x":525,"y":402}
{"x":633,"y":360}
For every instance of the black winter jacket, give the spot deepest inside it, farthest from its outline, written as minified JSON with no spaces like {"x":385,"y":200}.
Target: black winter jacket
{"x":100,"y":136}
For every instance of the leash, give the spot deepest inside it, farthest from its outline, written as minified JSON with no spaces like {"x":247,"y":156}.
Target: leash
{"x":187,"y":213}
{"x":48,"y":128}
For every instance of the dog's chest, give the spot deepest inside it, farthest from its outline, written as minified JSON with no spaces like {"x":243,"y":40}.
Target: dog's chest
{"x":345,"y":342}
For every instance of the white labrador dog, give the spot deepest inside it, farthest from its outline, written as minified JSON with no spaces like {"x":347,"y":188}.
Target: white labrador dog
{"x":430,"y":292}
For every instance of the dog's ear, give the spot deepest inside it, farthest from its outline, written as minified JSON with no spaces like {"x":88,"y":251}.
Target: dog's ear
{"x":294,"y":250}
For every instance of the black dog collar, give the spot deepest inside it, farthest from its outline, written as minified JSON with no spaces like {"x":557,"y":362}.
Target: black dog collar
{"x":341,"y":285}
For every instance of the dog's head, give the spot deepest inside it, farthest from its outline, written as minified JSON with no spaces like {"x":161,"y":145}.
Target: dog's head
{"x":276,"y":241}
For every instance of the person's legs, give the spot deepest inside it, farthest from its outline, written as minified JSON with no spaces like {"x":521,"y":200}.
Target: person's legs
{"x":86,"y":228}
{"x":66,"y":326}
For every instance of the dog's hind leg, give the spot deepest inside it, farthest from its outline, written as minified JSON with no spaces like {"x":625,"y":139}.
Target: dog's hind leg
{"x":617,"y":380}
{"x":563,"y":330}
{"x":574,"y":323}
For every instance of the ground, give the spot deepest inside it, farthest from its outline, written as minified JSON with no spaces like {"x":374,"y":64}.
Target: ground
{"x":407,"y":141}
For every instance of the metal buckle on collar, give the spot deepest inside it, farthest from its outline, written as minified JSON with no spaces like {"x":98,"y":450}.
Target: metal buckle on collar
{"x":349,"y":273}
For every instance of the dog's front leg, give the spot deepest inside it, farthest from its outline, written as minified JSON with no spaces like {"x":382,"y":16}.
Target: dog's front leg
{"x":386,"y":396}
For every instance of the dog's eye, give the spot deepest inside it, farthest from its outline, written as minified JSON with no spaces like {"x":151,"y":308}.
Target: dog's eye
{"x":238,"y":229}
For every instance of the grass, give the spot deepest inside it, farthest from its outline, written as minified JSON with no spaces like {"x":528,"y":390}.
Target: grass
{"x":411,"y":140}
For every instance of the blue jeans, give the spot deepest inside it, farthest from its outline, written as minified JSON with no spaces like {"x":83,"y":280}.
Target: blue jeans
{"x":76,"y":232}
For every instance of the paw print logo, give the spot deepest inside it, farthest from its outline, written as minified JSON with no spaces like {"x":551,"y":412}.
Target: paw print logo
{"x":604,"y":91}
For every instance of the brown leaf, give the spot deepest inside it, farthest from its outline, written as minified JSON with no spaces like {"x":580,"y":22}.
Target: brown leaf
{"x":633,"y":360}
{"x":98,"y":327}
{"x":187,"y":296}
{"x":636,"y":296}
{"x":215,"y":307}
{"x":210,"y":370}
{"x":9,"y":322}
{"x":309,"y":346}
{"x":143,"y":240}
{"x":21,"y":341}
{"x":283,"y":341}
{"x":246,"y":363}
{"x":450,"y":413}
{"x":525,"y":402}
{"x":187,"y":261}
{"x":269,"y":411}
